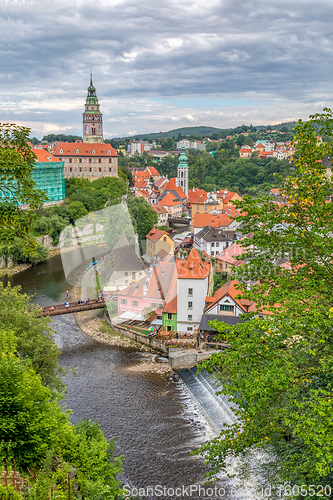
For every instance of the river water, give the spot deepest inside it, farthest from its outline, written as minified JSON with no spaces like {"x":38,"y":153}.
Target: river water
{"x":155,"y":423}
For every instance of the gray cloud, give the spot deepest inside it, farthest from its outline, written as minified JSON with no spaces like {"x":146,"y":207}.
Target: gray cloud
{"x":261,"y":57}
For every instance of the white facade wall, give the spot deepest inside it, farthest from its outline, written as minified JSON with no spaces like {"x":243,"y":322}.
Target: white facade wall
{"x":226,"y":302}
{"x":200,"y":289}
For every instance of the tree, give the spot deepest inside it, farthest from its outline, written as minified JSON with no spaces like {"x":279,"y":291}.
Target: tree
{"x":30,"y":418}
{"x":33,"y":335}
{"x":76,"y":210}
{"x":280,"y":363}
{"x":16,"y":185}
{"x":143,"y":216}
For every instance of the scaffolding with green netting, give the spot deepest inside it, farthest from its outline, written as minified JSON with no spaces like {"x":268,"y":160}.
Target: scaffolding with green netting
{"x":49,"y":177}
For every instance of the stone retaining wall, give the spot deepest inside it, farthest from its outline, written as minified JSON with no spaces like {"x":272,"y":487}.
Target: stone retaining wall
{"x":155,"y":344}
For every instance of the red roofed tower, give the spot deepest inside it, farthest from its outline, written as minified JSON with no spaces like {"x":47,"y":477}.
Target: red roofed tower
{"x":92,"y":117}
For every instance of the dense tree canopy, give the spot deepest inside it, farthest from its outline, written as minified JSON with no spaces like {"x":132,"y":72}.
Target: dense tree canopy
{"x":279,"y":366}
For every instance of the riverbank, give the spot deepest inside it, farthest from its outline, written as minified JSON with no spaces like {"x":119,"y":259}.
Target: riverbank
{"x":23,"y":267}
{"x":94,"y":325}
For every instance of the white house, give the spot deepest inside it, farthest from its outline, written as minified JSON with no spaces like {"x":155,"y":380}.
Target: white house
{"x":212,"y":240}
{"x":194,"y":283}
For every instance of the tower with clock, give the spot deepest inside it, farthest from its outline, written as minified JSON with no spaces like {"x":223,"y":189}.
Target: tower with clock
{"x":92,"y":117}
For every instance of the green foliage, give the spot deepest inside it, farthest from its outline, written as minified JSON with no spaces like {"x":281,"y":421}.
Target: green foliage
{"x":280,"y":366}
{"x":219,"y":280}
{"x":31,"y":418}
{"x":61,"y":138}
{"x":17,"y":187}
{"x":9,"y":493}
{"x":76,"y":210}
{"x":33,"y":335}
{"x":143,"y":216}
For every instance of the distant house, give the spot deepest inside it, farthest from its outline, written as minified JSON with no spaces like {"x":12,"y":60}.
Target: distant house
{"x":274,"y":191}
{"x":123,"y":265}
{"x":245,"y":152}
{"x":212,"y":240}
{"x":226,"y":260}
{"x":158,"y":240}
{"x":171,"y":203}
{"x":149,"y":293}
{"x":222,"y":221}
{"x":162,"y":214}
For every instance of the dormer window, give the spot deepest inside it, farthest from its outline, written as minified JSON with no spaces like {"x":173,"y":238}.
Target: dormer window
{"x":61,"y":151}
{"x":109,"y":152}
{"x":93,"y":151}
{"x":77,"y":151}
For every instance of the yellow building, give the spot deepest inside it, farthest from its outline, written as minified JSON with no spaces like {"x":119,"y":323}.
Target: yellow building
{"x":159,"y":240}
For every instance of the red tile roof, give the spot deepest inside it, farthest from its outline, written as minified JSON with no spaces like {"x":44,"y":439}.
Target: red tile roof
{"x":197,"y":195}
{"x":169,"y":200}
{"x":171,"y":186}
{"x":140,"y":183}
{"x":44,"y":156}
{"x":155,"y":234}
{"x":84,"y":149}
{"x":193,"y":267}
{"x":220,"y":220}
{"x":152,"y":171}
{"x":159,"y":209}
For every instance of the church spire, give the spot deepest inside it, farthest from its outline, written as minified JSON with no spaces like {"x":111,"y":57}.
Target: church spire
{"x":182,"y":171}
{"x":92,"y":117}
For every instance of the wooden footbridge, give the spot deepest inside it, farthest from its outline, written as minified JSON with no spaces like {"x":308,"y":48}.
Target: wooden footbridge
{"x":72,"y":307}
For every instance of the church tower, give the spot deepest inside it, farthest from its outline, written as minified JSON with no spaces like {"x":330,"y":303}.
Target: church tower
{"x":182,"y":172}
{"x":92,"y":117}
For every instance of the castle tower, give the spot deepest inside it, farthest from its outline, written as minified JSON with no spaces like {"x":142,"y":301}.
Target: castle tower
{"x":92,"y":117}
{"x":182,"y":171}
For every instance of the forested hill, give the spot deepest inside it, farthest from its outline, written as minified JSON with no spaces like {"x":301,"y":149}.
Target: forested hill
{"x":213,"y":132}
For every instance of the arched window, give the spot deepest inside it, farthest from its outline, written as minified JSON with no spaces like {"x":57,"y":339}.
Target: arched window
{"x":93,"y":151}
{"x":61,"y":151}
{"x":77,"y":151}
{"x":109,"y":152}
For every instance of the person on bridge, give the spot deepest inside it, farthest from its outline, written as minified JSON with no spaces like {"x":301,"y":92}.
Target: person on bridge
{"x":66,"y":304}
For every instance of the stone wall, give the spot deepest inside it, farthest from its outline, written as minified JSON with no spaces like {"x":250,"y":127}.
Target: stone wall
{"x":155,"y":344}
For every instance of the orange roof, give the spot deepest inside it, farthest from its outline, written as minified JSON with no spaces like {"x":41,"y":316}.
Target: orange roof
{"x":193,"y":267}
{"x":228,"y":254}
{"x":84,"y":149}
{"x":152,"y":171}
{"x":169,"y":200}
{"x":140,"y":183}
{"x":171,"y":186}
{"x":142,"y":192}
{"x":159,"y":209}
{"x":229,"y":289}
{"x":170,"y":305}
{"x":226,"y":195}
{"x":155,"y":234}
{"x":197,"y":195}
{"x":44,"y":156}
{"x":141,"y":174}
{"x":220,"y":220}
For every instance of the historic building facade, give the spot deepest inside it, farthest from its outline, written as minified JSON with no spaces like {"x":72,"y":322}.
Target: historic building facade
{"x":92,"y":117}
{"x":88,"y":160}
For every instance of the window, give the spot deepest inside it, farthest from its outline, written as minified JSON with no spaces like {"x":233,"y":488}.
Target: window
{"x":225,"y":307}
{"x":99,"y":160}
{"x":169,"y":316}
{"x":217,"y":244}
{"x":135,"y":303}
{"x":61,"y":151}
{"x":212,"y":253}
{"x":160,"y":306}
{"x":123,"y":301}
{"x":70,"y":160}
{"x":70,"y":169}
{"x":213,"y":244}
{"x":100,"y":170}
{"x":189,"y":305}
{"x":197,"y":207}
{"x":189,"y":328}
{"x":109,"y":152}
{"x":168,"y":328}
{"x":190,"y":292}
{"x":80,"y":160}
{"x":77,"y":151}
{"x":164,"y":239}
{"x":189,"y":317}
{"x":93,"y":151}
{"x":109,"y":160}
{"x":89,"y":160}
{"x":205,"y":208}
{"x":126,"y":273}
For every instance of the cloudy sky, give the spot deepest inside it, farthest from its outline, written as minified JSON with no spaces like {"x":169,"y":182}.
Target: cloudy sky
{"x":163,"y":65}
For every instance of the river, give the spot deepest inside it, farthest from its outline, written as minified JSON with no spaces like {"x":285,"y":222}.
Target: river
{"x":155,"y":423}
